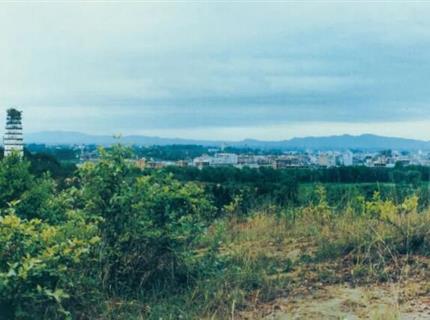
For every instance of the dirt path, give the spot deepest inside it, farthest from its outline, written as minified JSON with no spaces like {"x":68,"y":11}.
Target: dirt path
{"x":343,"y":302}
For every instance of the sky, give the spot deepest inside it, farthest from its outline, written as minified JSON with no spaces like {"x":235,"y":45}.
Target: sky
{"x":218,"y":70}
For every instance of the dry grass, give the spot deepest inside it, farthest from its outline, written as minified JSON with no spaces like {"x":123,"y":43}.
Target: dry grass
{"x":373,"y":252}
{"x":325,"y":265}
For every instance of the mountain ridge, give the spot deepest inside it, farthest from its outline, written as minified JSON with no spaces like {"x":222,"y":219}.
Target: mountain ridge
{"x":344,"y":141}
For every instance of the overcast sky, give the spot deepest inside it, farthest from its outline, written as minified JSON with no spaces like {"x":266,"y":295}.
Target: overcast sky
{"x":219,"y":70}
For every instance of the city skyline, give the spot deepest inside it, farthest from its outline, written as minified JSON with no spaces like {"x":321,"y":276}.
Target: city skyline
{"x":189,"y":70}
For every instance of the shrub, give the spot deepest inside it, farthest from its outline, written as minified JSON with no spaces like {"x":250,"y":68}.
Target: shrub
{"x":41,"y":266}
{"x":150,"y":222}
{"x":375,"y":235}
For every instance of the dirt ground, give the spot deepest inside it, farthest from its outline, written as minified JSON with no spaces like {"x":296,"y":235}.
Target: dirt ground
{"x":336,"y":289}
{"x":406,"y":301}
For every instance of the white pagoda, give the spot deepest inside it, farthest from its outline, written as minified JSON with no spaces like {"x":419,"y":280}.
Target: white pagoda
{"x":13,"y":139}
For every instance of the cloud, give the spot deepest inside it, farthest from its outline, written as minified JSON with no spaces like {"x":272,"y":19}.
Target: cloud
{"x":109,"y":67}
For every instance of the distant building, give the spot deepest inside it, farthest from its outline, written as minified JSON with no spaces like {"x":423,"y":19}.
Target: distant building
{"x":381,"y":161}
{"x":140,"y":163}
{"x":326,"y":160}
{"x":182,"y":163}
{"x":347,"y":158}
{"x":287,"y":162}
{"x":225,"y":159}
{"x":203,"y":161}
{"x":246,"y":159}
{"x":265,"y":161}
{"x":154,"y":165}
{"x":13,"y":138}
{"x":219,"y":160}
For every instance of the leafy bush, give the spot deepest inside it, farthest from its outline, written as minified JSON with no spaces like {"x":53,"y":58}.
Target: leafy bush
{"x":41,"y":266}
{"x":150,"y":222}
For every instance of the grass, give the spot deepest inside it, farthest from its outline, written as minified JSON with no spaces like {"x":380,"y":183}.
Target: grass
{"x":246,"y":264}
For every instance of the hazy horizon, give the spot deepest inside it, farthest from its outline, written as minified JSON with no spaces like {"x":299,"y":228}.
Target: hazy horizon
{"x":218,"y":71}
{"x":197,"y":139}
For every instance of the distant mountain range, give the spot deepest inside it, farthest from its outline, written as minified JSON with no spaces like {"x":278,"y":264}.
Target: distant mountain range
{"x":363,"y":142}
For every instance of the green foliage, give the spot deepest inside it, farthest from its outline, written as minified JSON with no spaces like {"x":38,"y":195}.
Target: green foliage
{"x":15,"y":179}
{"x":255,"y":187}
{"x":320,"y":212}
{"x":34,"y":202}
{"x":59,"y":153}
{"x":150,"y":222}
{"x":171,"y":152}
{"x":41,"y":265}
{"x":29,"y":195}
{"x":42,"y":163}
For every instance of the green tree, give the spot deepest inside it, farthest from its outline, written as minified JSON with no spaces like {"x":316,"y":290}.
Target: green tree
{"x":32,"y":197}
{"x":15,"y":179}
